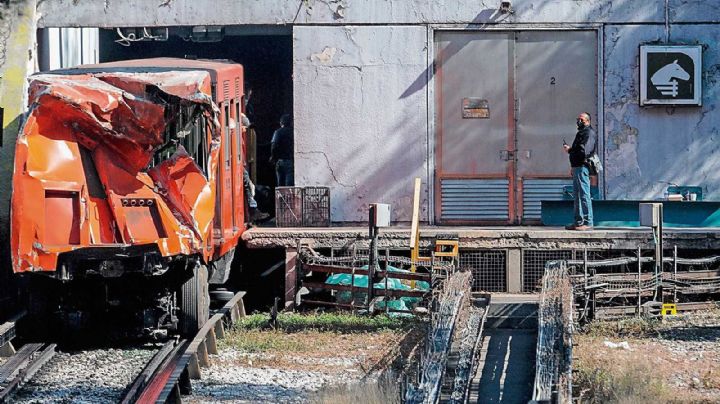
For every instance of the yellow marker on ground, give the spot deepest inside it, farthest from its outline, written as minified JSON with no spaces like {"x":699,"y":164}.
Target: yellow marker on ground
{"x":669,"y":309}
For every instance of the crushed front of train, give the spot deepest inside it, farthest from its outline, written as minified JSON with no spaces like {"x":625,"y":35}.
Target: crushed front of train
{"x":114,"y":197}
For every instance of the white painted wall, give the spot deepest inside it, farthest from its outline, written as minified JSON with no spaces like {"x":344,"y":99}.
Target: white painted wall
{"x":70,"y":47}
{"x":648,"y":147}
{"x":117,"y":13}
{"x":362,"y":103}
{"x":361,"y":115}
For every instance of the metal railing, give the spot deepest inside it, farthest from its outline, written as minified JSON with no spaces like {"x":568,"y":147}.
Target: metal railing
{"x":447,"y":302}
{"x":553,"y":366}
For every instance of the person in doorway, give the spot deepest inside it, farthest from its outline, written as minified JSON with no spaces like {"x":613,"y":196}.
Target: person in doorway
{"x":584,"y":145}
{"x":256,"y":215}
{"x":281,"y":152}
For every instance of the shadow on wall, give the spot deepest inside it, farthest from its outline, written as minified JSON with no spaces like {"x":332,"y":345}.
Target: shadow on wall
{"x":650,"y":148}
{"x":487,"y":16}
{"x":490,"y":16}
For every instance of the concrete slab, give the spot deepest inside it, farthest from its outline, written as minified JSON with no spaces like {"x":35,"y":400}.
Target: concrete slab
{"x":527,"y":237}
{"x":506,"y":371}
{"x":514,"y":298}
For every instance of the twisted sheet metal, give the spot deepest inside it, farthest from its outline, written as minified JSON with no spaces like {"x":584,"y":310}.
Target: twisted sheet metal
{"x":624,"y":283}
{"x":357,"y":260}
{"x":553,"y":367}
{"x":472,"y":333}
{"x":447,"y":302}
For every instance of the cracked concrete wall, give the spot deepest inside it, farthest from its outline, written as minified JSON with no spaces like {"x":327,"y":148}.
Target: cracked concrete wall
{"x":118,"y":13}
{"x":361,"y":126}
{"x":17,"y":61}
{"x":648,"y":147}
{"x":363,"y":133}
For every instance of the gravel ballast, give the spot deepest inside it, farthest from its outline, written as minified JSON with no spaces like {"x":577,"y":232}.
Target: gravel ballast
{"x":92,"y":376}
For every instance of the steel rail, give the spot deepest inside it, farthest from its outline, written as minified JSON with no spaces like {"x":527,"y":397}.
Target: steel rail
{"x":22,"y":366}
{"x":8,"y":331}
{"x":475,"y":357}
{"x":161,"y":375}
{"x":142,"y":381}
{"x":184,"y":362}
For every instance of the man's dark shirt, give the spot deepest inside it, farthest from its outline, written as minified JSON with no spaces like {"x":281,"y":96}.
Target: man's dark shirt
{"x":282,"y":144}
{"x":583,"y":146}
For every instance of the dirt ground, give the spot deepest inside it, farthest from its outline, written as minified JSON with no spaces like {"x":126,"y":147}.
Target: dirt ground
{"x":636,"y":361}
{"x":262,"y":365}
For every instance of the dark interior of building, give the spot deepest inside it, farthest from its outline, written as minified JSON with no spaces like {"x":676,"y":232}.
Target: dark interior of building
{"x":267,"y":60}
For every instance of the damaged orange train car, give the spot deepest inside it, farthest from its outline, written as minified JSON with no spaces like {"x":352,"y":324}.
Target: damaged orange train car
{"x":128,"y":191}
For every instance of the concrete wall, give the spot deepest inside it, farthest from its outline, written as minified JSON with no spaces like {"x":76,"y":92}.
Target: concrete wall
{"x":116,"y":13}
{"x":648,"y":147}
{"x":362,"y":102}
{"x":17,"y":60}
{"x":360,"y":127}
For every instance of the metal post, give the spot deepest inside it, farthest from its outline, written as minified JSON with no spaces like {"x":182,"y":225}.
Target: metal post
{"x":352,"y":277}
{"x":291,"y":276}
{"x":373,"y":258}
{"x":639,"y":296}
{"x":659,"y":258}
{"x":675,"y":258}
{"x":587,"y":293}
{"x":387,"y":296}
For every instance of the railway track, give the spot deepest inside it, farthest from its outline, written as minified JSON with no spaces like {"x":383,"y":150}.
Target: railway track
{"x":146,"y":373}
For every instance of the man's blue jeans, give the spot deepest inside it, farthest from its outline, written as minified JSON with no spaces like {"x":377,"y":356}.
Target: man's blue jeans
{"x":581,"y":196}
{"x":284,"y":171}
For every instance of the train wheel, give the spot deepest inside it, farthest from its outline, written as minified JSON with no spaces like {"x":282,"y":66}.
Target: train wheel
{"x":194,"y":301}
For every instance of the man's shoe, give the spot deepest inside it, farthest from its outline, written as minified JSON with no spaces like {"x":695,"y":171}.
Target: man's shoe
{"x":256,"y":215}
{"x":571,"y":227}
{"x":583,"y":227}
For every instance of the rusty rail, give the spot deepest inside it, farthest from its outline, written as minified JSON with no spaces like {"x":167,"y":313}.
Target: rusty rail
{"x":336,"y":269}
{"x":190,"y":356}
{"x":611,"y":312}
{"x":7,"y":333}
{"x":22,"y":366}
{"x":140,"y":386}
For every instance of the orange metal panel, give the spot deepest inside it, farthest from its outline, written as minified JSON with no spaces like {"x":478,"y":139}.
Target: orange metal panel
{"x":86,"y":169}
{"x":62,"y":218}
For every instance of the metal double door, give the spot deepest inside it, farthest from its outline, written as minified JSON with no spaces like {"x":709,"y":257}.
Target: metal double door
{"x":505,"y":101}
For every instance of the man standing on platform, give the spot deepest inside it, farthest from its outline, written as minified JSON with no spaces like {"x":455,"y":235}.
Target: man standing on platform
{"x":281,"y":152}
{"x":584,"y":146}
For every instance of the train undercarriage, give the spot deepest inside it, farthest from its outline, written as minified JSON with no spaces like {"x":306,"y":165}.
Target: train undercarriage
{"x":109,"y":296}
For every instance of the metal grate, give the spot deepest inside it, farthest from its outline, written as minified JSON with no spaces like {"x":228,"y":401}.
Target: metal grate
{"x":288,"y":206}
{"x":534,"y":266}
{"x":489,"y":270}
{"x":316,"y":206}
{"x":474,"y":199}
{"x":541,"y":189}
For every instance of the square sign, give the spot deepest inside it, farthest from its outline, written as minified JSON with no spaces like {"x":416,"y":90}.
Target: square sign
{"x":670,"y":75}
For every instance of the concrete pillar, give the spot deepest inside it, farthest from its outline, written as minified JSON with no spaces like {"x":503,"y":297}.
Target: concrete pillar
{"x":290,"y":277}
{"x":514,"y":270}
{"x":17,"y":61}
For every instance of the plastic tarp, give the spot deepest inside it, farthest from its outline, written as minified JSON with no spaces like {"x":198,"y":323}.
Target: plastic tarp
{"x":361,"y":281}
